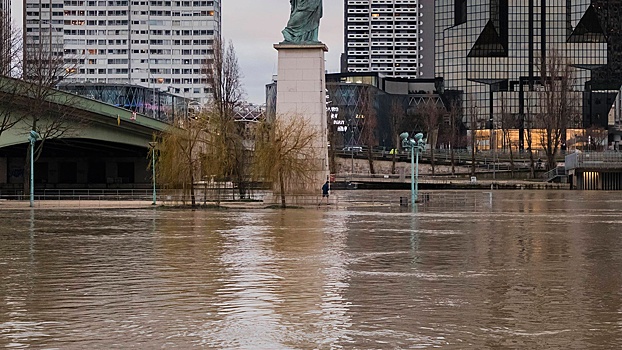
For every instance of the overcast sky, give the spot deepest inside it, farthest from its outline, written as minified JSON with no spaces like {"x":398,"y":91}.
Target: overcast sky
{"x":254,"y":26}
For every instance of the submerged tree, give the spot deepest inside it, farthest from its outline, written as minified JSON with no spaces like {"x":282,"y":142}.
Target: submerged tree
{"x":227,"y":156}
{"x":179,"y":156}
{"x":286,"y":153}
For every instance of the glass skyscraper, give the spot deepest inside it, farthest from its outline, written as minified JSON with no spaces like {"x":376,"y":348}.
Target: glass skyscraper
{"x":492,"y":50}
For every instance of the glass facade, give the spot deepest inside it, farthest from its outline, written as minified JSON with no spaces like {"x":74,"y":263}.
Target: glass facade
{"x":150,"y":102}
{"x":492,"y":51}
{"x":353,"y":97}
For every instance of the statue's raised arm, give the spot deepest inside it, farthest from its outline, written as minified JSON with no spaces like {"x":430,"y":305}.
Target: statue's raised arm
{"x":304,"y":22}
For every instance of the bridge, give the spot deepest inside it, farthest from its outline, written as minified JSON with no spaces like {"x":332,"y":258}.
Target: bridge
{"x":103,"y":146}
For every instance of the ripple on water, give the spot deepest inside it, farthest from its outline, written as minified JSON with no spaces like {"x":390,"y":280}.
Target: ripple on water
{"x":537,"y":270}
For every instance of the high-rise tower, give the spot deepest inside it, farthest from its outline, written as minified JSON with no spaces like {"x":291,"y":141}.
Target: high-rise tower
{"x":493,"y":51}
{"x":395,"y":38}
{"x":161,"y":44}
{"x":5,"y":35}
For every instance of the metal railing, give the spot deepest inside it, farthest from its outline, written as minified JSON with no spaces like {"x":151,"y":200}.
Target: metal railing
{"x":82,"y":194}
{"x":594,"y":160}
{"x":552,"y":174}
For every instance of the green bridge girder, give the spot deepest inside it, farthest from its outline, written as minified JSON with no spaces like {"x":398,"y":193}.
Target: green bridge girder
{"x":103,"y":122}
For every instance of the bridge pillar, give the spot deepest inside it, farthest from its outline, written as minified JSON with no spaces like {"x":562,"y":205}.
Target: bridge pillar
{"x":3,"y":170}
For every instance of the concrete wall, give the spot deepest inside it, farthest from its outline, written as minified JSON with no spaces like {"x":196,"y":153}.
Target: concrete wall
{"x":3,"y":171}
{"x":14,"y":171}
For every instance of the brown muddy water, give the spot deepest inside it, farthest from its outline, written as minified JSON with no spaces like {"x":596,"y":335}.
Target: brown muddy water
{"x":518,"y":270}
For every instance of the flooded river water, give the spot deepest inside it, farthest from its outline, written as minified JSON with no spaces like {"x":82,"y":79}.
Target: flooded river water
{"x":525,"y":270}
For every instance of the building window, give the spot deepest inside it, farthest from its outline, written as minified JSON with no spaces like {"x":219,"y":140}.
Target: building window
{"x":460,"y":12}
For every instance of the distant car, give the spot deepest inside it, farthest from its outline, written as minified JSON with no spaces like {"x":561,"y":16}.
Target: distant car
{"x":353,"y":149}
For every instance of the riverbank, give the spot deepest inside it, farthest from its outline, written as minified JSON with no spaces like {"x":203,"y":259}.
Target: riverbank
{"x":447,"y":184}
{"x":339,"y":198}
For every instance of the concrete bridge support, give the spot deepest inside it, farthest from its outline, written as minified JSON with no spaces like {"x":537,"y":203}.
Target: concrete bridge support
{"x":597,"y":180}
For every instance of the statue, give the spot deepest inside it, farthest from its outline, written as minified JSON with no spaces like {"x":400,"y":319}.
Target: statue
{"x":304,"y":22}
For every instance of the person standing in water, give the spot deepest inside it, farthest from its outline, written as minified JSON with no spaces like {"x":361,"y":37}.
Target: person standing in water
{"x":325,"y":190}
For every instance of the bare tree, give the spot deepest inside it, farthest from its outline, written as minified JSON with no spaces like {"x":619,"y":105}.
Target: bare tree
{"x":228,"y":155}
{"x":397,"y":115}
{"x":454,"y":116}
{"x":179,"y":156}
{"x":285,"y":153}
{"x":225,"y":157}
{"x":430,"y":111}
{"x":508,"y":123}
{"x":529,"y":135}
{"x":473,"y":117}
{"x":50,"y":113}
{"x":558,"y":103}
{"x":369,"y":124}
{"x":596,"y":137}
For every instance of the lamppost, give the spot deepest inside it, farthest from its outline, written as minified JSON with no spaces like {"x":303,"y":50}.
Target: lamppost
{"x":153,"y":145}
{"x":32,"y":138}
{"x":415,"y":146}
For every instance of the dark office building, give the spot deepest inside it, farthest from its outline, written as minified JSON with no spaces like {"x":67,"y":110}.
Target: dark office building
{"x":493,"y":50}
{"x":352,"y":97}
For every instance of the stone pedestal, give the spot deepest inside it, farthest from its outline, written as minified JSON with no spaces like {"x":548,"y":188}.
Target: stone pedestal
{"x":301,"y":91}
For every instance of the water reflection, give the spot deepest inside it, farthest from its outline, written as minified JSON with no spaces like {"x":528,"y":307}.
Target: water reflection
{"x":536,"y":270}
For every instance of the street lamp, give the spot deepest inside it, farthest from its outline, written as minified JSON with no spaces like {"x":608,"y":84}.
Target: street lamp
{"x":153,"y":145}
{"x":415,"y":146}
{"x":32,"y":138}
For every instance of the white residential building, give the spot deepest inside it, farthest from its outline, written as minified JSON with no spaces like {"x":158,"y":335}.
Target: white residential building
{"x":392,"y":37}
{"x":161,"y":44}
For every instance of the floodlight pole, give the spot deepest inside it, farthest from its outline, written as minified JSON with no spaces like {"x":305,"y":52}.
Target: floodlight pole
{"x":415,"y":194}
{"x":414,"y":145}
{"x":153,"y":145}
{"x":413,"y":186}
{"x":32,"y":138}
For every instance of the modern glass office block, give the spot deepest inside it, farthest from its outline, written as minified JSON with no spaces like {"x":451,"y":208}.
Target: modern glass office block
{"x":497,"y":53}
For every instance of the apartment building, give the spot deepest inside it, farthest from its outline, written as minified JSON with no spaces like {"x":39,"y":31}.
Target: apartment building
{"x":391,"y":37}
{"x":160,"y":44}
